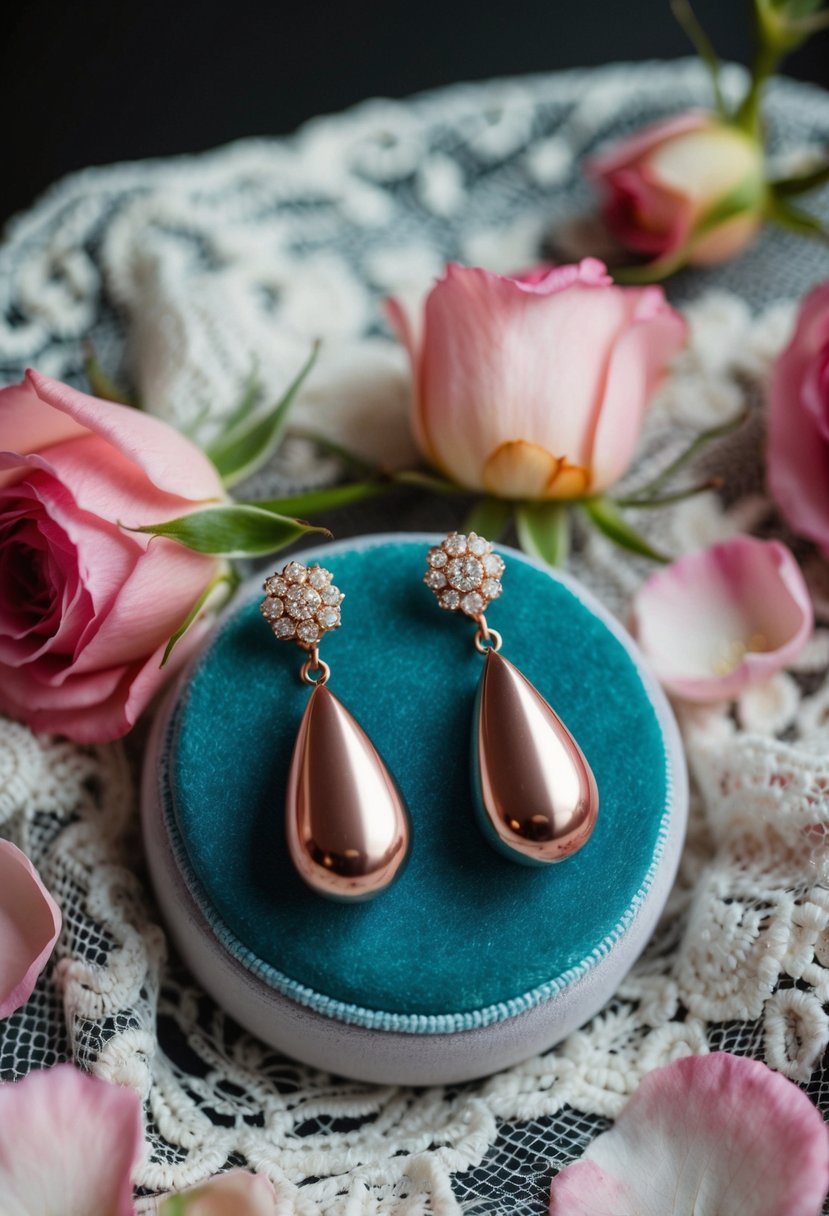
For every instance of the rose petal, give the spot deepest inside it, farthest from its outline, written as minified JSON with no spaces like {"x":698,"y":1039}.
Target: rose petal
{"x":68,"y":1142}
{"x":723,"y":618}
{"x":236,"y":1193}
{"x":638,"y":363}
{"x":797,"y":453}
{"x":553,"y":340}
{"x":630,"y":151}
{"x":161,"y":451}
{"x":703,"y":1136}
{"x":30,"y":923}
{"x":105,"y":483}
{"x":99,"y":706}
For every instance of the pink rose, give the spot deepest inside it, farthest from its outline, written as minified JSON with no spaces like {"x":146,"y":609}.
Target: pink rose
{"x":88,"y":607}
{"x":535,"y":387}
{"x":798,"y":423}
{"x":666,"y":187}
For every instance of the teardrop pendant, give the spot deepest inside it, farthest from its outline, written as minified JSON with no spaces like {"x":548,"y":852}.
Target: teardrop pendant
{"x":535,"y":794}
{"x":347,"y":826}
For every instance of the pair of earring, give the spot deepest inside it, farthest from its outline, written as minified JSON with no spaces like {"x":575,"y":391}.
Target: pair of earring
{"x":347,"y":825}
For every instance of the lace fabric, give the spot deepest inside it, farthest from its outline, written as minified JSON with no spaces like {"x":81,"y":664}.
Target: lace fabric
{"x":186,"y":274}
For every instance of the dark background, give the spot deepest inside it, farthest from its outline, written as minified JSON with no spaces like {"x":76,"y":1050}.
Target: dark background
{"x":85,"y":83}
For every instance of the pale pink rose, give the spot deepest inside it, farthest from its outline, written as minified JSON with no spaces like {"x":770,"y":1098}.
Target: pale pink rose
{"x":68,"y":1142}
{"x":662,"y":184}
{"x":797,"y":457}
{"x":704,"y":1136}
{"x":87,"y":606}
{"x":535,"y":387}
{"x":236,"y":1193}
{"x":723,"y":618}
{"x":30,"y":923}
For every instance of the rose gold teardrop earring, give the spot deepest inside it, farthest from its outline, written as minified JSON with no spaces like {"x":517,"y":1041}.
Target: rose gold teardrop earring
{"x":346,"y":822}
{"x":535,"y":795}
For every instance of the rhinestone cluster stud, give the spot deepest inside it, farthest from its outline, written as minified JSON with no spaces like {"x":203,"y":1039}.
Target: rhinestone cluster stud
{"x":464,"y":573}
{"x":302,"y":604}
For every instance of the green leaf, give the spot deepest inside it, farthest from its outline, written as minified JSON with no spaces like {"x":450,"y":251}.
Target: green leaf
{"x":243,"y":449}
{"x":795,"y":219}
{"x":489,"y":518}
{"x":544,"y":531}
{"x":313,"y":502}
{"x":234,"y":530}
{"x":349,"y":459}
{"x":666,"y":500}
{"x":688,"y":454}
{"x":605,"y":515}
{"x":250,"y":399}
{"x":801,"y":183}
{"x":100,"y":384}
{"x":689,"y":22}
{"x":430,"y":482}
{"x":229,"y":577}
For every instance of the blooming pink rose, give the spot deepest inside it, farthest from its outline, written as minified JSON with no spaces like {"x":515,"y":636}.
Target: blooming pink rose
{"x":30,"y":922}
{"x":664,"y":183}
{"x":797,"y":458}
{"x":535,"y":387}
{"x":723,"y":618}
{"x":87,"y":606}
{"x":704,"y":1136}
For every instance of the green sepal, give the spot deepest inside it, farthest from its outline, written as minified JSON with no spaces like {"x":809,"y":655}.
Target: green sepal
{"x":544,"y":531}
{"x":794,"y":219}
{"x":231,"y":578}
{"x":313,"y":502}
{"x":605,"y":515}
{"x":244,"y":447}
{"x":232,"y":530}
{"x":489,"y":517}
{"x":100,"y":384}
{"x":800,"y":183}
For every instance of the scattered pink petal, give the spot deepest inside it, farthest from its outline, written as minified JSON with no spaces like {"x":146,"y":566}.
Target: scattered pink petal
{"x":723,"y":618}
{"x":68,"y":1143}
{"x":236,"y":1193}
{"x":30,"y":922}
{"x":715,"y":1135}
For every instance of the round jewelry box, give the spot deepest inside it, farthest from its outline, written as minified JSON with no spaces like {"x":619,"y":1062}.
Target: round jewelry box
{"x":468,"y":962}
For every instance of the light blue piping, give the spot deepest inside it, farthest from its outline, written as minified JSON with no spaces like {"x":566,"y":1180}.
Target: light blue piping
{"x":374,"y":1019}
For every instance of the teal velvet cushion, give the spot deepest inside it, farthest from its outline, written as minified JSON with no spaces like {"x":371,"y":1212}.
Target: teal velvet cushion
{"x":464,"y":937}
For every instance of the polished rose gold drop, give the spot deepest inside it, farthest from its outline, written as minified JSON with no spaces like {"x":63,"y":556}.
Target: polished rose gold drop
{"x":347,"y":826}
{"x":536,"y":794}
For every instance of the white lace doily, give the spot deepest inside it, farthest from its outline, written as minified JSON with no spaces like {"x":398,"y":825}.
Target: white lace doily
{"x":186,"y":274}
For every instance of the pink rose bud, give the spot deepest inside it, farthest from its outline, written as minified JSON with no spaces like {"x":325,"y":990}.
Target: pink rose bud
{"x":797,"y":457}
{"x":535,"y":387}
{"x":88,"y":606}
{"x":691,"y":186}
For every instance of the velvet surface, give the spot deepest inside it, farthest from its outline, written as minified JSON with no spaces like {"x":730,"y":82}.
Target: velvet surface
{"x":463,"y":928}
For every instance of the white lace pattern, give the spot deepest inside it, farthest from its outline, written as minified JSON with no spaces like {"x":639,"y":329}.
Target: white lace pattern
{"x":186,"y":274}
